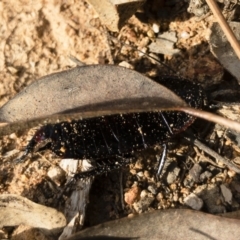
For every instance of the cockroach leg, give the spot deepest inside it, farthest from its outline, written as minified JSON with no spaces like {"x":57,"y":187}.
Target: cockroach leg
{"x":162,"y":160}
{"x":166,"y":122}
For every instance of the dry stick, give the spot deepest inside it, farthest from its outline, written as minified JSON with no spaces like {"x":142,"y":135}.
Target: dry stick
{"x":228,"y":123}
{"x":213,"y":154}
{"x":224,"y":25}
{"x":206,"y":159}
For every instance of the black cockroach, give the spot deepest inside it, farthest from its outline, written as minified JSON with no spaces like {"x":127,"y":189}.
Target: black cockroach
{"x":110,"y":139}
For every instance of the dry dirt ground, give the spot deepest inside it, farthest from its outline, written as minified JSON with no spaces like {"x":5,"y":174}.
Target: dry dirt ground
{"x":37,"y":38}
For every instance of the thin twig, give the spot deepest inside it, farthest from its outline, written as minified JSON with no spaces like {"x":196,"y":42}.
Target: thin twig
{"x":206,"y":159}
{"x":213,"y":154}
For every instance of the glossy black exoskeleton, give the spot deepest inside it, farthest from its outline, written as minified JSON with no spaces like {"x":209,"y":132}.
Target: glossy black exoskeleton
{"x":109,"y":139}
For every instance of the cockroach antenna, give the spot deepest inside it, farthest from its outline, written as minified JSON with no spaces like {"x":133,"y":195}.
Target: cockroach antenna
{"x":109,"y":37}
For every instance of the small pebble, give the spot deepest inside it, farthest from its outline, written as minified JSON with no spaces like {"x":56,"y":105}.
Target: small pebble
{"x":12,"y":70}
{"x":152,"y":189}
{"x":151,"y":33}
{"x":173,"y":175}
{"x":193,"y":201}
{"x":185,"y":191}
{"x":13,"y":136}
{"x":219,"y":179}
{"x":220,"y":133}
{"x":188,"y":182}
{"x":144,"y":43}
{"x":155,"y":28}
{"x":159,"y":196}
{"x":133,"y":171}
{"x":143,"y":204}
{"x":146,"y":174}
{"x":164,"y":44}
{"x":126,"y":65}
{"x":144,"y":193}
{"x":132,"y":195}
{"x":181,"y":200}
{"x":175,"y":197}
{"x":138,"y":164}
{"x":205,"y":175}
{"x":24,"y":178}
{"x":195,"y":171}
{"x":184,"y":35}
{"x":227,"y":194}
{"x":230,"y":173}
{"x":57,"y":175}
{"x":159,"y":184}
{"x":131,"y":215}
{"x":173,"y":186}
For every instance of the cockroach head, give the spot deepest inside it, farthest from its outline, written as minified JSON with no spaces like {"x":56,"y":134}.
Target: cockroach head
{"x":39,"y":141}
{"x":41,"y":138}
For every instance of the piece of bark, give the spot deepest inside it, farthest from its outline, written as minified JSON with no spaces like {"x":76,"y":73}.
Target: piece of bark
{"x":222,"y":50}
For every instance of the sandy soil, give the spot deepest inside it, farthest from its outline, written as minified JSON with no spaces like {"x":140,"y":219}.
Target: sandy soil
{"x":37,"y":38}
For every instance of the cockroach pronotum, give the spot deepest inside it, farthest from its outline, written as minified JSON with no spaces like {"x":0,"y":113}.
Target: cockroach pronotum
{"x":110,"y":139}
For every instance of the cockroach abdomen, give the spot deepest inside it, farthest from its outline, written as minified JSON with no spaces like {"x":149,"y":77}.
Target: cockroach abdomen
{"x":120,"y":135}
